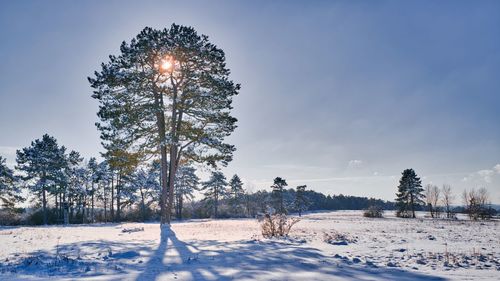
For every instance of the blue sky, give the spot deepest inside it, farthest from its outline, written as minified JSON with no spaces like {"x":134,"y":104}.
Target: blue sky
{"x":339,"y":95}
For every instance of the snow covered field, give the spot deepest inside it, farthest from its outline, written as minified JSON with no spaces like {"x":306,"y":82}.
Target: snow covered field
{"x":322,"y":246}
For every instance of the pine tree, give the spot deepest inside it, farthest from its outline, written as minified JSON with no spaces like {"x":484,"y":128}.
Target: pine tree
{"x":215,"y":190}
{"x":42,"y":164}
{"x":301,"y":202}
{"x":104,"y":186}
{"x":123,"y":161}
{"x":9,"y":186}
{"x":71,"y":183}
{"x":148,"y":184}
{"x":278,"y":199}
{"x":236,"y":195}
{"x":185,"y":184}
{"x":410,"y":193}
{"x":169,"y":94}
{"x":92,"y":167}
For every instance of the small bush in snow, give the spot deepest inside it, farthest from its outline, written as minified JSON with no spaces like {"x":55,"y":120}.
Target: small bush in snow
{"x":133,"y":229}
{"x":373,"y":212}
{"x":278,"y":225}
{"x":337,"y":238}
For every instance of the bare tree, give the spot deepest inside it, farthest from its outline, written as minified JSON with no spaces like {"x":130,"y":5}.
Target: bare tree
{"x":476,"y":203}
{"x":447,"y":199}
{"x":483,"y":199}
{"x":432,"y":193}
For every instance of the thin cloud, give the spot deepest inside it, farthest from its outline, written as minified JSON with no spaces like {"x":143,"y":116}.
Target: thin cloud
{"x":355,"y":163}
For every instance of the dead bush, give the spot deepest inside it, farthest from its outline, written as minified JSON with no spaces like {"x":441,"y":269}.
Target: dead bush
{"x":373,"y":212}
{"x":337,"y":238}
{"x":278,"y":225}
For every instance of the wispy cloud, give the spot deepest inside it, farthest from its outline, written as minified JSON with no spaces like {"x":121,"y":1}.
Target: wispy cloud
{"x":355,"y":163}
{"x":497,"y":168}
{"x":293,"y":167}
{"x":485,"y":175}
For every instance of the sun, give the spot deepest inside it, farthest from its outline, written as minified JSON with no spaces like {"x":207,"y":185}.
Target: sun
{"x":166,"y":65}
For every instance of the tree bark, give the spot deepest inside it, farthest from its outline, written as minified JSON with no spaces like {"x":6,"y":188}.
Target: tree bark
{"x":160,"y":124}
{"x":216,"y":203}
{"x":118,"y":196}
{"x":92,"y":208}
{"x":143,"y":205}
{"x":412,"y":206}
{"x":112,"y":202}
{"x":44,"y":206}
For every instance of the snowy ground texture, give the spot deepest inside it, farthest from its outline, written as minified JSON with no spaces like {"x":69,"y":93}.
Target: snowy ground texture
{"x":322,"y":246}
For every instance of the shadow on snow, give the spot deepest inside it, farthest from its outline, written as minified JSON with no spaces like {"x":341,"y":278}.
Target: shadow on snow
{"x":198,"y":260}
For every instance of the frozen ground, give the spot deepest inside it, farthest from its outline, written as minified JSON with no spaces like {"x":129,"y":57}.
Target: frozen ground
{"x":323,"y":246}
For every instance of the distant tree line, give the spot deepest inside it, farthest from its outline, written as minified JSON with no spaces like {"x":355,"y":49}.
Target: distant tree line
{"x":62,"y":188}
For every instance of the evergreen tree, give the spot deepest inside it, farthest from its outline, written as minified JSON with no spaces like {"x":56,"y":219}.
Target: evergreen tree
{"x":410,"y":193}
{"x":70,"y":183}
{"x":92,"y":167}
{"x":215,"y":190}
{"x":301,"y":202}
{"x":169,"y":94}
{"x":278,"y":199}
{"x":103,"y":186}
{"x":148,"y":184}
{"x":9,"y":188}
{"x":185,"y":184}
{"x":237,"y":195}
{"x":122,"y":161}
{"x":42,"y":164}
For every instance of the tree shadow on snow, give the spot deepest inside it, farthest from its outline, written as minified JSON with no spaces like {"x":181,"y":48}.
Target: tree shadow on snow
{"x":269,"y":260}
{"x":196,"y":260}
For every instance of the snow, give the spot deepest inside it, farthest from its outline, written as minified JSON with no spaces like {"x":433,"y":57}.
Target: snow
{"x":322,"y":246}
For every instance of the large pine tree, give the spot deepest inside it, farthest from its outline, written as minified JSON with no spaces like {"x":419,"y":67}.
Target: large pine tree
{"x":410,"y":194}
{"x":169,"y":94}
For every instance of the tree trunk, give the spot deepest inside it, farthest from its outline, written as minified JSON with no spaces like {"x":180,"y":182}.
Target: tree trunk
{"x":92,"y":208}
{"x":412,"y":206}
{"x":61,"y":203}
{"x":112,"y":202}
{"x":174,"y":150}
{"x":216,"y":201}
{"x":44,"y":206}
{"x":65,"y":209}
{"x":118,"y":196}
{"x":180,"y":207}
{"x":171,"y":180}
{"x":160,"y":124}
{"x":57,"y":206}
{"x":105,"y":210}
{"x":143,"y":205}
{"x":82,"y":202}
{"x":72,"y":213}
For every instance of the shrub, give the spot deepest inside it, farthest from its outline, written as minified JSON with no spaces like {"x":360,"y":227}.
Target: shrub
{"x":373,"y":212}
{"x":337,"y":238}
{"x":10,"y":216}
{"x":278,"y":225}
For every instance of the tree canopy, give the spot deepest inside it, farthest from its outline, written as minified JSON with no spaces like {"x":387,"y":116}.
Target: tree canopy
{"x":168,"y":94}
